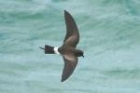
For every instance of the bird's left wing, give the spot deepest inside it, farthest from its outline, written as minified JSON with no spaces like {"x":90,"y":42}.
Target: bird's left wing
{"x":72,"y":34}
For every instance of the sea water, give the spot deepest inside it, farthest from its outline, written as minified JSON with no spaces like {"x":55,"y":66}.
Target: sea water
{"x":109,"y":37}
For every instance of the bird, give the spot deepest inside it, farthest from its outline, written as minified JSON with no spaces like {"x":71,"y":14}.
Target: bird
{"x":68,"y":49}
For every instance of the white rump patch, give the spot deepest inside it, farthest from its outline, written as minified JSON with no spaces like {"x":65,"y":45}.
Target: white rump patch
{"x":56,"y":50}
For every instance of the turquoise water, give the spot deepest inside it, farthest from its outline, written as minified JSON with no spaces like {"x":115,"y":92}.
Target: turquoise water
{"x":110,"y":37}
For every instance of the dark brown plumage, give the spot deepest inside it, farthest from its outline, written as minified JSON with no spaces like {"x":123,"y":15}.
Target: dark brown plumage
{"x":68,"y":50}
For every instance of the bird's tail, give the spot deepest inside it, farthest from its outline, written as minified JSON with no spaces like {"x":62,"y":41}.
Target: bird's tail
{"x":48,"y":49}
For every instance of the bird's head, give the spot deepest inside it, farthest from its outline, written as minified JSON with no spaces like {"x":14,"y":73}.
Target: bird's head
{"x":79,"y":53}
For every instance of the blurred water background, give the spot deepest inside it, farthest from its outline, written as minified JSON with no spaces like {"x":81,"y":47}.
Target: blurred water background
{"x":110,"y":37}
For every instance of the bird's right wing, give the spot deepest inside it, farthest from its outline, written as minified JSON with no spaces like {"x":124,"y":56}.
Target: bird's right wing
{"x":70,"y":62}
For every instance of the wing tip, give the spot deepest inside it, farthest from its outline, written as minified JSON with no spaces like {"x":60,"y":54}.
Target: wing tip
{"x":63,"y":79}
{"x":66,"y":12}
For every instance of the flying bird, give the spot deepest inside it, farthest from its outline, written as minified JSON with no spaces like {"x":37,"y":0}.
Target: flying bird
{"x":68,"y":49}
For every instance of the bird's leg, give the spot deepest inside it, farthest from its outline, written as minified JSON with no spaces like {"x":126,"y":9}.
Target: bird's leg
{"x":42,"y":48}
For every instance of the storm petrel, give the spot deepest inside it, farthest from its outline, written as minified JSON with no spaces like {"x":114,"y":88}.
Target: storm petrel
{"x":68,"y":49}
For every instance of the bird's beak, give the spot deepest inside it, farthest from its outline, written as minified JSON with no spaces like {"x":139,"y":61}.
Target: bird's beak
{"x":83,"y":56}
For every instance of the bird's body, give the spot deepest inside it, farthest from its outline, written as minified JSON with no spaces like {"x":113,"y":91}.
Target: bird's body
{"x":68,"y":49}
